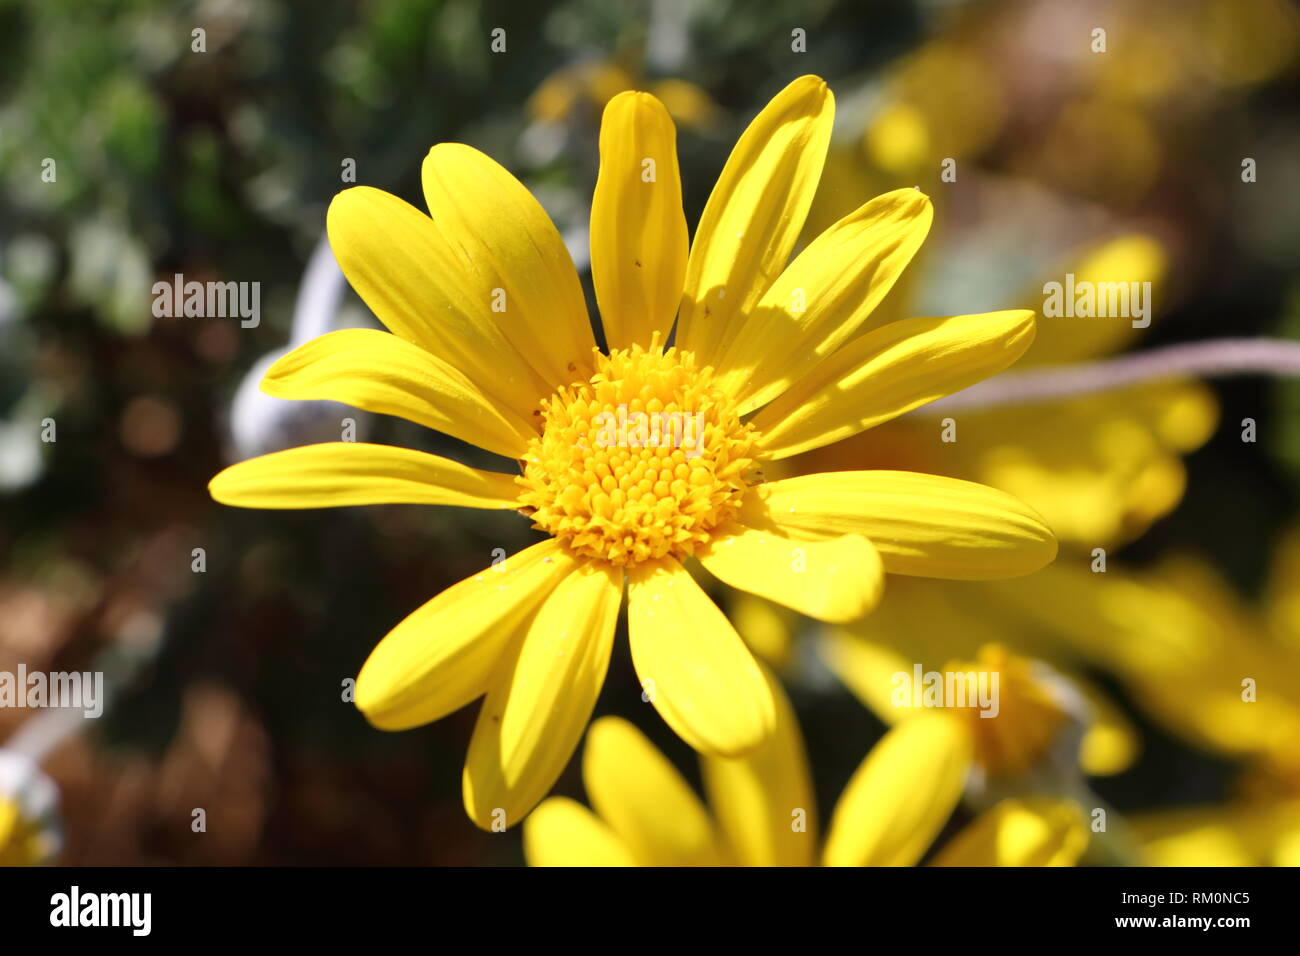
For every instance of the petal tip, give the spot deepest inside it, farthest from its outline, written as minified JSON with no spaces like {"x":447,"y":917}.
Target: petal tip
{"x":376,"y":714}
{"x":814,"y":83}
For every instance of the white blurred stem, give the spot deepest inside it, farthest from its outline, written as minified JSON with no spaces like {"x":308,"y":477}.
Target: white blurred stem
{"x":1216,"y":358}
{"x":319,"y":295}
{"x":40,"y":735}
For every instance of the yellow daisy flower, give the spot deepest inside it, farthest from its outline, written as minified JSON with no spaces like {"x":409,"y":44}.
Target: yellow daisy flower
{"x":763,"y":808}
{"x":491,"y":343}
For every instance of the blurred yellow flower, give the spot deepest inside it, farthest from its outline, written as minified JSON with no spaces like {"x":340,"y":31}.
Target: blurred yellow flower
{"x":1175,"y":636}
{"x":1179,"y":640}
{"x":1038,"y":711}
{"x":1010,"y":739}
{"x":1248,"y":40}
{"x":943,"y":101}
{"x":592,"y":84}
{"x":1229,"y":680}
{"x":763,"y":809}
{"x":1099,"y":124}
{"x":587,"y":87}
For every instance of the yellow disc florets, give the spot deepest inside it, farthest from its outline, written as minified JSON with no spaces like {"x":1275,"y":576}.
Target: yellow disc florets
{"x":1028,"y":717}
{"x":644,"y":460}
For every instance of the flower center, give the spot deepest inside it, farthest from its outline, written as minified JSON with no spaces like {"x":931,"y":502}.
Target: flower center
{"x":641,"y":462}
{"x":1027,"y":720}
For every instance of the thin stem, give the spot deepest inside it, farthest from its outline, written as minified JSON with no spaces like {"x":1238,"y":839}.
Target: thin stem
{"x":1213,"y":359}
{"x":40,"y":735}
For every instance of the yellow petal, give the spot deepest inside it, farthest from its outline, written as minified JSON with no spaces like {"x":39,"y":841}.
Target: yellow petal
{"x":644,"y":799}
{"x":822,"y":297}
{"x":767,"y":628}
{"x":835,"y":580}
{"x":764,"y":802}
{"x":754,"y":214}
{"x":638,"y":229}
{"x":388,"y":375}
{"x":1034,"y":831}
{"x":889,"y":371}
{"x":698,"y":672}
{"x":562,"y":832}
{"x":1200,"y":836}
{"x":412,"y":275}
{"x":536,"y":711}
{"x":512,"y":257}
{"x":901,"y":796}
{"x":445,"y":654}
{"x":921,"y":524}
{"x":337,"y":474}
{"x":867,"y":668}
